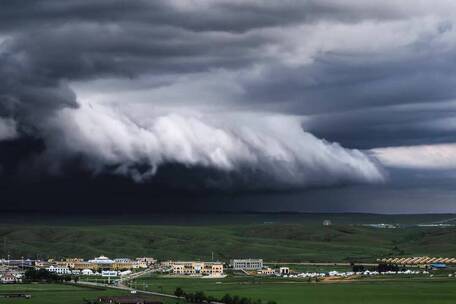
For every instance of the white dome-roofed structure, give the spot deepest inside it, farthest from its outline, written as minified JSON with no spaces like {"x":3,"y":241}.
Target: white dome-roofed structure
{"x":101,"y":260}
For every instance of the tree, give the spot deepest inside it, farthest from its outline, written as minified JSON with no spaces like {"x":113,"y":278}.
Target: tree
{"x":246,"y":301}
{"x":190,"y":297}
{"x":236,"y":300}
{"x":200,"y":296}
{"x":227,"y":299}
{"x":179,"y":292}
{"x":41,"y":275}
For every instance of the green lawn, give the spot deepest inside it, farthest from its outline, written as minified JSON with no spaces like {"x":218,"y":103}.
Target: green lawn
{"x":400,"y":291}
{"x":58,"y":294}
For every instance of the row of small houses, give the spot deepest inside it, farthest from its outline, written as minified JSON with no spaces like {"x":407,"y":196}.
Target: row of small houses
{"x":423,"y":260}
{"x":96,"y":264}
{"x":101,"y":263}
{"x":216,"y":269}
{"x":105,"y":266}
{"x":197,"y":268}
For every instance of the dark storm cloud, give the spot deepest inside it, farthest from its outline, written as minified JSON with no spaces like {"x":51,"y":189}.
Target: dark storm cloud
{"x":229,"y":16}
{"x":355,"y":98}
{"x":351,"y":72}
{"x":386,"y":126}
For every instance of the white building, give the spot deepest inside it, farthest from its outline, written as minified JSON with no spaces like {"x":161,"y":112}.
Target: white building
{"x":284,"y":270}
{"x":139,"y":264}
{"x":198,"y":268}
{"x":59,"y":270}
{"x":102,"y":260}
{"x":87,"y":272}
{"x":122,"y":260}
{"x":148,"y":260}
{"x":247,"y":264}
{"x":8,"y":278}
{"x":109,"y":273}
{"x":267,"y":271}
{"x":327,"y":223}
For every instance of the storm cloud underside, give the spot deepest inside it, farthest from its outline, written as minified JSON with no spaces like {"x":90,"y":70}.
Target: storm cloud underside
{"x":271,"y":91}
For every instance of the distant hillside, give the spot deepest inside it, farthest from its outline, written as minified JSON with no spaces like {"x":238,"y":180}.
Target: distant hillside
{"x":274,"y":237}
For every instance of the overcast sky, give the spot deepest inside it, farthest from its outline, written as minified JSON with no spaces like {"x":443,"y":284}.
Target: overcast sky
{"x":293,"y":103}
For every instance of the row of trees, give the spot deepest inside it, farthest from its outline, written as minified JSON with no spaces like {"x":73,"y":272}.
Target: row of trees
{"x":43,"y":275}
{"x":200,"y":297}
{"x":380,"y":268}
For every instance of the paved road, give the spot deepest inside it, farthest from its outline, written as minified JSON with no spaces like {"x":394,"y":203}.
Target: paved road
{"x":126,"y":288}
{"x":123,"y":286}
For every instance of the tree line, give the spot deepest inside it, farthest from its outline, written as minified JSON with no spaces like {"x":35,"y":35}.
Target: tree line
{"x":43,"y":275}
{"x":201,"y":297}
{"x":380,"y":268}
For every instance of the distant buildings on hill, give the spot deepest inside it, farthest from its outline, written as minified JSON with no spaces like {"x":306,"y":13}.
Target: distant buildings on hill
{"x":95,"y":265}
{"x":246,"y":264}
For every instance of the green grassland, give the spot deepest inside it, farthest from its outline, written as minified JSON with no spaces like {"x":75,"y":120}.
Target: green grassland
{"x":54,"y":293}
{"x":274,"y":237}
{"x":61,"y":294}
{"x":400,"y":291}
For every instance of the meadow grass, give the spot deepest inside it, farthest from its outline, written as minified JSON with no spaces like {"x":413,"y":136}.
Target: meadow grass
{"x":54,"y":293}
{"x":280,"y":238}
{"x":60,"y":294}
{"x":400,"y":291}
{"x":292,"y":242}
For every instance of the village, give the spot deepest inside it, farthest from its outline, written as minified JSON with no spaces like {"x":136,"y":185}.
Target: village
{"x":13,"y":270}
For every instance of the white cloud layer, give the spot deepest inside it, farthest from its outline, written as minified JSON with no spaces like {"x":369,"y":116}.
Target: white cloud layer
{"x":274,"y":146}
{"x":439,"y":156}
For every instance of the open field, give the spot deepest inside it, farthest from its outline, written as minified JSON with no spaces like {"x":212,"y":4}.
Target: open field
{"x":54,"y":293}
{"x":60,"y":294}
{"x":273,"y":237}
{"x":400,"y":291}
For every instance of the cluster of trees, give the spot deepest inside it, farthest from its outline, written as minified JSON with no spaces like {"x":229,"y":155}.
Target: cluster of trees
{"x":228,"y":299}
{"x":42,"y":275}
{"x":200,"y":297}
{"x":380,"y":268}
{"x":388,"y":267}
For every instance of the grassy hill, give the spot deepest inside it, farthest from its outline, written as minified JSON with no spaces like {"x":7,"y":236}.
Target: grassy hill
{"x":274,"y":237}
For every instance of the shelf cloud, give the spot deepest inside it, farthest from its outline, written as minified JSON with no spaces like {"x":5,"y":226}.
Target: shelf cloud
{"x":274,"y":147}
